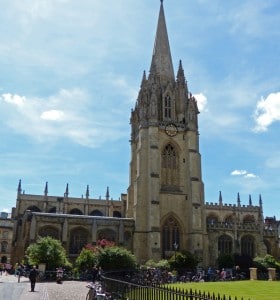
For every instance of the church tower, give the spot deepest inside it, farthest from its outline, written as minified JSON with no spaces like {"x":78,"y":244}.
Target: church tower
{"x":166,"y":192}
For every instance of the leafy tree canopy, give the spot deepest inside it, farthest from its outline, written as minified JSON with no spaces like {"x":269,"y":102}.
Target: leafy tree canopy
{"x":268,"y":261}
{"x":116,"y":258}
{"x":86,"y":260}
{"x":184,"y":260}
{"x":49,"y":251}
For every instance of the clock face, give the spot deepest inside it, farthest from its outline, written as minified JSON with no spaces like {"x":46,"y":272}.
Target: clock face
{"x":171,"y":129}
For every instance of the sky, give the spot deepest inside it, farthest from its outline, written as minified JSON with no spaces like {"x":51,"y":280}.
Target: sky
{"x":70,"y":72}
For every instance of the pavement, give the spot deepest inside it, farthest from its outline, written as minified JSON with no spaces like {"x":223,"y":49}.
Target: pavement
{"x":11,"y":289}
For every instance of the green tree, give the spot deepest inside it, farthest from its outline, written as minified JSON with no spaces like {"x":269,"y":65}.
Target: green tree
{"x":184,"y":260}
{"x":49,"y":251}
{"x":262,"y":263}
{"x":116,"y":258}
{"x":87,"y":259}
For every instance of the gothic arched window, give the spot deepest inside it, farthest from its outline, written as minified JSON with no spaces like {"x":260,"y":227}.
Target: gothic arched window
{"x":170,"y":234}
{"x":267,"y":246}
{"x":167,"y":107}
{"x":4,"y":247}
{"x":248,"y":219}
{"x":78,"y":239}
{"x":225,"y":244}
{"x":76,"y":211}
{"x":52,"y":210}
{"x":96,"y":213}
{"x":247,"y":246}
{"x":169,"y":160}
{"x":33,"y":208}
{"x":212,"y":219}
{"x":117,"y":214}
{"x":229,"y":219}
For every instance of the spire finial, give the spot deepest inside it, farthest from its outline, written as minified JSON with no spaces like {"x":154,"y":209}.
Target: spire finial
{"x":161,"y":1}
{"x":87,"y":192}
{"x":46,"y":189}
{"x":19,"y":190}
{"x":220,"y":198}
{"x":66,"y":191}
{"x":107,"y":193}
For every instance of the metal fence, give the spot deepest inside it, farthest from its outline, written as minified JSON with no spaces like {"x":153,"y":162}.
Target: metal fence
{"x":138,"y":291}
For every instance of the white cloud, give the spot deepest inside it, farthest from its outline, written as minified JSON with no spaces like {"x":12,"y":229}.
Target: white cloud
{"x":267,"y":112}
{"x":201,"y":101}
{"x":243,"y":173}
{"x":52,"y":115}
{"x":250,"y":175}
{"x":238,"y":172}
{"x":78,"y":114}
{"x":13,"y":99}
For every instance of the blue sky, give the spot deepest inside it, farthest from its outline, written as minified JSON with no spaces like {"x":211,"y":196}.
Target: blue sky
{"x":70,"y":72}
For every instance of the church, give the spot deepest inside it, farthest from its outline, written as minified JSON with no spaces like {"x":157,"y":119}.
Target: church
{"x":164,"y":209}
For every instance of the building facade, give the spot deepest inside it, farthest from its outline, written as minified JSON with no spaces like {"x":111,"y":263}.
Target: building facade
{"x":6,"y":237}
{"x":164,"y":209}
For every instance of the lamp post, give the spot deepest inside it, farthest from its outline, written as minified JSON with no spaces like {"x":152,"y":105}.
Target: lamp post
{"x":175,"y":245}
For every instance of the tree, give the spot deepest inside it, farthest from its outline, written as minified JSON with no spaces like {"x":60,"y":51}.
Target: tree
{"x":262,"y":263}
{"x":106,"y":255}
{"x":116,"y":258}
{"x":87,"y":259}
{"x":184,"y":260}
{"x":49,"y":251}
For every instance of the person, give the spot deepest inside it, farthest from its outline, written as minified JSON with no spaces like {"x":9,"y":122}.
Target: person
{"x":19,"y":272}
{"x":223,"y":274}
{"x":32,"y":277}
{"x":59,"y":275}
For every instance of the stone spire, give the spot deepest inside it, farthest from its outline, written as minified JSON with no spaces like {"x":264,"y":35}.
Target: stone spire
{"x":87,"y":192}
{"x":19,"y":189}
{"x":180,"y":74}
{"x":220,"y":198}
{"x":46,"y":189}
{"x":66,"y":191}
{"x":161,"y":65}
{"x":260,"y":201}
{"x":238,"y":199}
{"x":107,"y":193}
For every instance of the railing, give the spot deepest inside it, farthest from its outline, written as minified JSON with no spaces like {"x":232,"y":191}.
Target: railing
{"x":140,"y":291}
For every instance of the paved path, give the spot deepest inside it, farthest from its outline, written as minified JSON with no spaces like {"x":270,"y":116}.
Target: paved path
{"x":10,"y":289}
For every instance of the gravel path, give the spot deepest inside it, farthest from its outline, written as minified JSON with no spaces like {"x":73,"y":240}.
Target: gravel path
{"x":10,"y":289}
{"x":68,"y":290}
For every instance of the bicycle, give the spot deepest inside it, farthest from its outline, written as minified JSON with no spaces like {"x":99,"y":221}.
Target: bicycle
{"x":95,"y":292}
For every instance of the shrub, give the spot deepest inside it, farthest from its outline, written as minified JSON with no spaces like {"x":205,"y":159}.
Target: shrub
{"x":184,"y":260}
{"x":116,"y":258}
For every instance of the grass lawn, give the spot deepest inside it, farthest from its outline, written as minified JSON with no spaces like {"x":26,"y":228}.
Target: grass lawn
{"x":244,"y":289}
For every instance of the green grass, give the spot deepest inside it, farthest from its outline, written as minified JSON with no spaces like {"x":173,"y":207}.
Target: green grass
{"x":246,"y":289}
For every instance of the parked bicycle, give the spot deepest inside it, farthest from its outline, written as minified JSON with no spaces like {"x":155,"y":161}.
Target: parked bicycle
{"x":96,"y":292}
